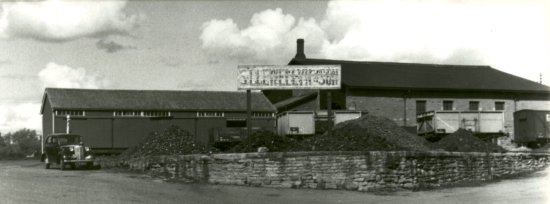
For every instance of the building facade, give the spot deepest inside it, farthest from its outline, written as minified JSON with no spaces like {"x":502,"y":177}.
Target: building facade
{"x":114,"y":120}
{"x":399,"y":91}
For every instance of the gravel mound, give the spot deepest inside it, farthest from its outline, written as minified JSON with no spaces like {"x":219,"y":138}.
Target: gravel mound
{"x":464,"y":141}
{"x":171,"y":141}
{"x":368,"y":133}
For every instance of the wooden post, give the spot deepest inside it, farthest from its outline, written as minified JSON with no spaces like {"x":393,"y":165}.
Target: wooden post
{"x":405,"y":110}
{"x":68,"y":124}
{"x":248,"y":112}
{"x":329,"y":109}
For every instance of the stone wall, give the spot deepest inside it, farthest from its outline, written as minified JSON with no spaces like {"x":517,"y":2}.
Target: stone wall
{"x":362,"y":171}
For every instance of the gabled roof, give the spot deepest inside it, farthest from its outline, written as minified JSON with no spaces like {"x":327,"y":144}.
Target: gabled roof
{"x":153,"y":100}
{"x":414,"y":76}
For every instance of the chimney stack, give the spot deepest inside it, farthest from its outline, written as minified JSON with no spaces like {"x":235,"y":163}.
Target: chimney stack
{"x":300,"y":49}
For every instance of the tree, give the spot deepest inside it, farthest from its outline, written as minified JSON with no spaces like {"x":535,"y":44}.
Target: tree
{"x":2,"y":142}
{"x":25,"y":140}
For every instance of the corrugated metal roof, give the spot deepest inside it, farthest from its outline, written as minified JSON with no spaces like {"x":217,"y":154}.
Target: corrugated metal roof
{"x":102,"y":99}
{"x":391,"y":75}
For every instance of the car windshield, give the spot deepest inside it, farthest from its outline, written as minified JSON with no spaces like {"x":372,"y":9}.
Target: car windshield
{"x":69,"y":139}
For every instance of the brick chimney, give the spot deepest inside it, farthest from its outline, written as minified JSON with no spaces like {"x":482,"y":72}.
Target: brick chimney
{"x":300,"y":49}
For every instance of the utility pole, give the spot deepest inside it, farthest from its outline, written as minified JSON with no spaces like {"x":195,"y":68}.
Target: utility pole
{"x":248,"y":112}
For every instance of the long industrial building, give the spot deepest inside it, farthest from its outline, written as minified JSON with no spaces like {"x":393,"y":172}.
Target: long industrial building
{"x":400,"y":91}
{"x":116,"y":119}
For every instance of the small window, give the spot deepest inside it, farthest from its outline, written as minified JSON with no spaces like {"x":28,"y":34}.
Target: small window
{"x":474,"y":105}
{"x":127,"y":113}
{"x":156,"y":113}
{"x":263,"y":115}
{"x":210,"y":114}
{"x":447,"y":105}
{"x":70,"y":112}
{"x":499,"y":105}
{"x":420,"y":107}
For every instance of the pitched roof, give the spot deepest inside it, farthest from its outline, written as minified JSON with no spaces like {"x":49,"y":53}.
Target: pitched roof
{"x":102,"y":99}
{"x":414,"y":76}
{"x":295,"y":100}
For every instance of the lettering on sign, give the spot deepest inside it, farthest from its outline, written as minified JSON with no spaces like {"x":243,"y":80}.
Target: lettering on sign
{"x":262,"y":77}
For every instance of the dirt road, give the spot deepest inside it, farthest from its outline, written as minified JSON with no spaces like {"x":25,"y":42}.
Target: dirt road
{"x":28,"y":182}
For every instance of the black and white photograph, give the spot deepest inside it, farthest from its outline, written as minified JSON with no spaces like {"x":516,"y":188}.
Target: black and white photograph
{"x":274,"y":101}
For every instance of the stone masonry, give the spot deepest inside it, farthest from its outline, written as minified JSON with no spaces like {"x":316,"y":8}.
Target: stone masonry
{"x":361,"y":171}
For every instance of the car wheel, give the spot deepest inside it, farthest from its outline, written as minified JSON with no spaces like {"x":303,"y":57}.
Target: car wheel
{"x":47,"y":163}
{"x":62,"y":165}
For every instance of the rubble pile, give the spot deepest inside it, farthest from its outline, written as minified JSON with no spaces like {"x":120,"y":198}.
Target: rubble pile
{"x":464,"y":141}
{"x":171,"y":141}
{"x":368,"y":133}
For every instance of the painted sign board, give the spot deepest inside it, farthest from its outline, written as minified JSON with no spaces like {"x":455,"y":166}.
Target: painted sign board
{"x":266,"y":77}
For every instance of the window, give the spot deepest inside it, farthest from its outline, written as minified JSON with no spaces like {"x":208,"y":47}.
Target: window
{"x":210,"y":114}
{"x":262,"y":115}
{"x":447,"y":105}
{"x":474,"y":105}
{"x":499,"y":105}
{"x":70,"y":112}
{"x":156,"y":113}
{"x":420,"y":107}
{"x":127,"y":113}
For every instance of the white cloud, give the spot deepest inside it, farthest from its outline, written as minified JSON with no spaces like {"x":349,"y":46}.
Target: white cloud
{"x":63,"y":20}
{"x":62,"y":76}
{"x":270,"y":36}
{"x":513,"y":36}
{"x":17,"y":116}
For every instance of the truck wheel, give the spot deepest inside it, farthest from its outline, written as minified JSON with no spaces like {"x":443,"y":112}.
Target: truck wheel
{"x":47,"y":163}
{"x":62,"y":165}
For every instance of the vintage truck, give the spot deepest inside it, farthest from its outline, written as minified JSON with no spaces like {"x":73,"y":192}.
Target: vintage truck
{"x":434,"y":125}
{"x":66,"y":149}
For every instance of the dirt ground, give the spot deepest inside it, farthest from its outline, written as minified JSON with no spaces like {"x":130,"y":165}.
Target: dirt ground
{"x":27,"y":182}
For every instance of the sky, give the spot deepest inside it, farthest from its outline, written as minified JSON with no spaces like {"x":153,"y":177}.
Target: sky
{"x":197,"y":45}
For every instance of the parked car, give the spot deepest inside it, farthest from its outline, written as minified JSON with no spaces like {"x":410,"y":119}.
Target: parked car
{"x":66,"y":149}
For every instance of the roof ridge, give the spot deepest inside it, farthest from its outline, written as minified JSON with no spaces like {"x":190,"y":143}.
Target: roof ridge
{"x":146,"y":90}
{"x":396,"y":63}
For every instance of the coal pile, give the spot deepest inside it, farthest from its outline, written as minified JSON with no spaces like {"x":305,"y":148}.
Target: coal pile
{"x":368,"y":133}
{"x":171,"y":141}
{"x":464,"y":141}
{"x":264,"y":138}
